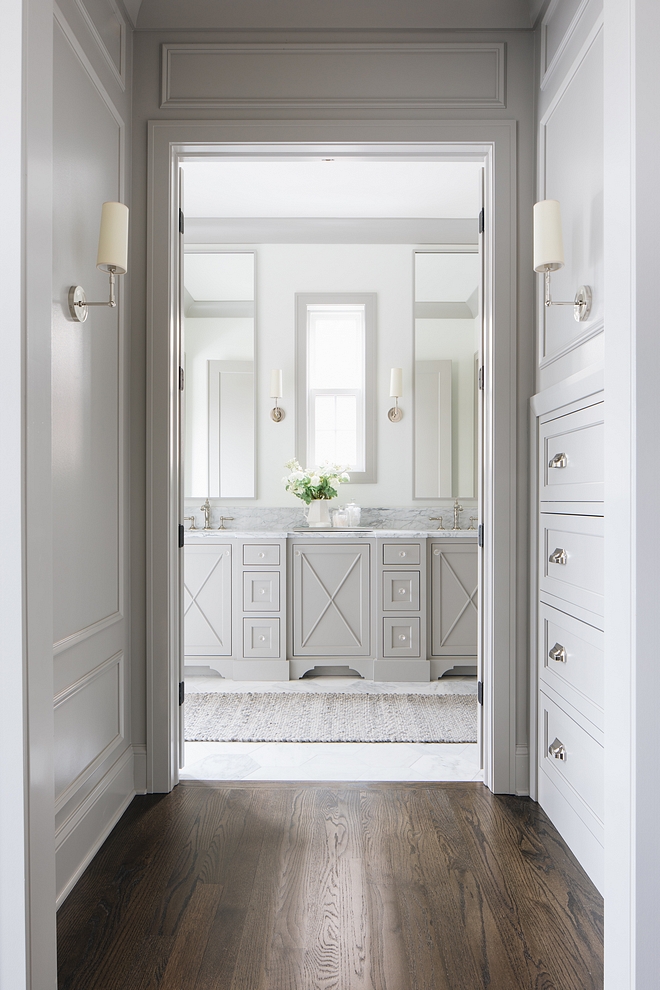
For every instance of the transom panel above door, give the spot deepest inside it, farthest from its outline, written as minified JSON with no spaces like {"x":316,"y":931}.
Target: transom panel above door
{"x":331,"y":589}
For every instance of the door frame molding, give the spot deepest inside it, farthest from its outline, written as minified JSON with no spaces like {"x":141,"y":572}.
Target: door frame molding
{"x":494,"y":143}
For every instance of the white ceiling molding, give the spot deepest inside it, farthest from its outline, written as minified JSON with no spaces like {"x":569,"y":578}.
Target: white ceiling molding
{"x":132,"y":8}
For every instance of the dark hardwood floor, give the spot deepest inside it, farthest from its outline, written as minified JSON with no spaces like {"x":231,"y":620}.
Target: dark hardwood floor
{"x":262,"y":886}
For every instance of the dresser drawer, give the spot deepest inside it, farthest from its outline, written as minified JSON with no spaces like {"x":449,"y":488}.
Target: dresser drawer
{"x":401,"y":591}
{"x":571,"y":451}
{"x":401,"y":553}
{"x":261,"y":553}
{"x":572,"y":757}
{"x":401,"y":637}
{"x":571,"y":661}
{"x":261,"y":591}
{"x":571,"y":559}
{"x":261,"y":638}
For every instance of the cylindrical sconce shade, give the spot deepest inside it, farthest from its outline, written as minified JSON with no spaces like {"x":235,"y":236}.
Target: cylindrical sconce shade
{"x":548,"y":240}
{"x":113,"y":239}
{"x":396,"y":382}
{"x":276,"y":384}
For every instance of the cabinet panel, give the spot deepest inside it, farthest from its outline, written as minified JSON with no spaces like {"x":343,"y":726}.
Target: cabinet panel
{"x":331,"y":599}
{"x":572,"y":456}
{"x":261,"y":591}
{"x":571,"y":661}
{"x":454,"y":588}
{"x":580,"y":773}
{"x":401,"y":591}
{"x":401,"y":553}
{"x":261,"y":638}
{"x":261,"y":553}
{"x":401,"y":637}
{"x":571,"y":559}
{"x":207,"y":600}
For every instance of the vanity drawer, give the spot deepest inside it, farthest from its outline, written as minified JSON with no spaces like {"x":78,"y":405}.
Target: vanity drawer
{"x":572,"y":455}
{"x":401,"y":553}
{"x":261,"y":591}
{"x":401,"y":591}
{"x":571,"y":661}
{"x":580,"y":774}
{"x":401,"y":637}
{"x":261,"y":553}
{"x":571,"y":559}
{"x":261,"y":638}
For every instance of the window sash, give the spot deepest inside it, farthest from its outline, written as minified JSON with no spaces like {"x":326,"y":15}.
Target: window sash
{"x":312,"y":457}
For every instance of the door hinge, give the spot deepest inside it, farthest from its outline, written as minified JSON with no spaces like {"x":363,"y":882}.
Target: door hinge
{"x":480,"y":378}
{"x":181,"y":535}
{"x":181,"y":221}
{"x":181,"y":379}
{"x":182,"y":693}
{"x":481,"y":221}
{"x":480,"y":535}
{"x":480,"y":692}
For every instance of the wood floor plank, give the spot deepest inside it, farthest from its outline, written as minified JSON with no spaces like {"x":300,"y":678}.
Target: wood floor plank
{"x":258,"y":886}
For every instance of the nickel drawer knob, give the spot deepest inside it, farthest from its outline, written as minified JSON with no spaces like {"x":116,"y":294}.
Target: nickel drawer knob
{"x":558,"y":556}
{"x":558,"y":461}
{"x":402,"y":638}
{"x":402,"y":553}
{"x":558,"y":653}
{"x":262,"y":554}
{"x":557,"y":750}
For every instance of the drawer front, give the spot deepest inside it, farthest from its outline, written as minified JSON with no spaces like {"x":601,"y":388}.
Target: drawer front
{"x":402,"y":553}
{"x":572,"y":454}
{"x":571,"y":661}
{"x":401,"y":591}
{"x":261,"y":591}
{"x":580,"y":775}
{"x":261,"y":553}
{"x":401,"y":637}
{"x":571,"y":559}
{"x":261,"y":638}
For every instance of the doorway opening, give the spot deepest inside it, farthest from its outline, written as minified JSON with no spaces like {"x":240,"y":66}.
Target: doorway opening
{"x":318,"y":286}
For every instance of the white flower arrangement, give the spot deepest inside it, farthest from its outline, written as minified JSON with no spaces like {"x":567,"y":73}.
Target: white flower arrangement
{"x":310,"y":484}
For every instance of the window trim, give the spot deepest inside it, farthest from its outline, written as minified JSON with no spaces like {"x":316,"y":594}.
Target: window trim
{"x":368,"y":300}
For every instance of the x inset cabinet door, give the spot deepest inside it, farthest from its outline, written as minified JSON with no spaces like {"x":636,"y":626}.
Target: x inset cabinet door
{"x":331,"y":600}
{"x":207,"y":601}
{"x":453,"y":599}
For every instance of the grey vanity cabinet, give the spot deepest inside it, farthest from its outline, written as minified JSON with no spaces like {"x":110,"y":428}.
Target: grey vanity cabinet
{"x":454,"y":586}
{"x":331,"y":605}
{"x":207,"y":585}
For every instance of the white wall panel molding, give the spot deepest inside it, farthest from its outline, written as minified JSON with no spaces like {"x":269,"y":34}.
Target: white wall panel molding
{"x":99,"y":695}
{"x":552,"y":50}
{"x":359,"y":76}
{"x":573,"y":144}
{"x":102,"y":29}
{"x":79,"y":838}
{"x":91,"y":630}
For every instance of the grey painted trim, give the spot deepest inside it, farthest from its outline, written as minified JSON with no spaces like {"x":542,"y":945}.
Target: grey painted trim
{"x":361,"y":71}
{"x":332,"y":230}
{"x":370,"y":301}
{"x":118,"y":71}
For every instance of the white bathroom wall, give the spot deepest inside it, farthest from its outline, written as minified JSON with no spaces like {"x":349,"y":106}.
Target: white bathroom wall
{"x":92,"y":749}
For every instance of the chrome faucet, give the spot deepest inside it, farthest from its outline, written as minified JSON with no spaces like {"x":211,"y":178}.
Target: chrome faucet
{"x":190,"y":519}
{"x":439,"y":521}
{"x":206,"y":509}
{"x":457,"y":508}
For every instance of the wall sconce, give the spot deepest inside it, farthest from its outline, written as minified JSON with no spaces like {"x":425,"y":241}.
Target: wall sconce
{"x":112,"y":257}
{"x":549,"y":256}
{"x":395,"y":415}
{"x":276,"y":414}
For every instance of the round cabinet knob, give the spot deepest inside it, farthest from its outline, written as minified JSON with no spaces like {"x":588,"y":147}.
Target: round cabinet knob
{"x":226,"y":553}
{"x":402,"y":591}
{"x":402,"y":638}
{"x":402,"y":553}
{"x":297,"y":553}
{"x":262,"y":639}
{"x":262,"y":591}
{"x":262,"y":554}
{"x":436,"y":553}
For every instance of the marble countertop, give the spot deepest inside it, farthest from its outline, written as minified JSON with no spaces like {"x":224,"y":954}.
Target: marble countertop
{"x":219,"y":536}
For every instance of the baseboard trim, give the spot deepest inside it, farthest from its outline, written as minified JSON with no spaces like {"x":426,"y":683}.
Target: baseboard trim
{"x":140,"y":768}
{"x":522,"y":771}
{"x":108,"y":802}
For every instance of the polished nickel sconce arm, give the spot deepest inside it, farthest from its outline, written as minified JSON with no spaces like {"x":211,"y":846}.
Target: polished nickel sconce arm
{"x":581,"y":304}
{"x":78,"y":304}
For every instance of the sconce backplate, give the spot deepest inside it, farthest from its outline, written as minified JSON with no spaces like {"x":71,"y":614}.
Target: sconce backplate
{"x":395,"y":415}
{"x":582,"y":303}
{"x":277,"y":414}
{"x":78,"y":303}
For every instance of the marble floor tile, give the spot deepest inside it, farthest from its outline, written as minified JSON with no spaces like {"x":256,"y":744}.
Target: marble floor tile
{"x":220,"y":767}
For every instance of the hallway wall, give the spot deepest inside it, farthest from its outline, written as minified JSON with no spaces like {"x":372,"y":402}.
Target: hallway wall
{"x":93,"y":756}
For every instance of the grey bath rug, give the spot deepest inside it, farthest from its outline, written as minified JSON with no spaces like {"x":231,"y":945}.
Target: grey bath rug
{"x":328,"y":717}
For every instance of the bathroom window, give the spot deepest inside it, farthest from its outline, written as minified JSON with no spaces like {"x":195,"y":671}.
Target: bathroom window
{"x":335,"y":374}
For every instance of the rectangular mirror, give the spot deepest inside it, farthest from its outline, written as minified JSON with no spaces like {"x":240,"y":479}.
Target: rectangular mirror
{"x":447,"y":333}
{"x":218,"y":346}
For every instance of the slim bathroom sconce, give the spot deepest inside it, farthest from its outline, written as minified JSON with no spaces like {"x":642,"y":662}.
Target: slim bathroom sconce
{"x":112,"y":257}
{"x":395,"y":415}
{"x":276,"y":414}
{"x":549,"y":256}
